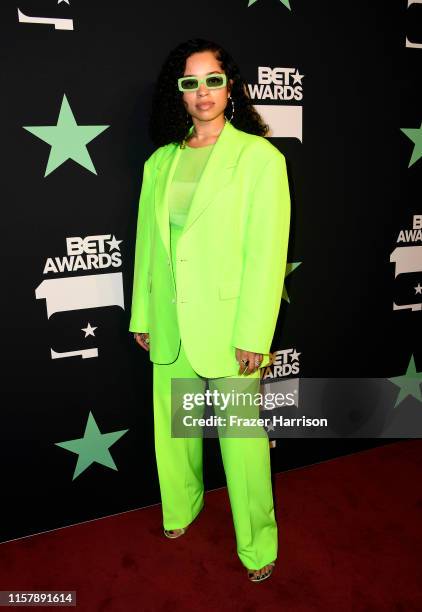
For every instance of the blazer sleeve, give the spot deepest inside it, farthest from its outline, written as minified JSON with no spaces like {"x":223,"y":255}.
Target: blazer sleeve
{"x":141,"y":275}
{"x":264,"y":258}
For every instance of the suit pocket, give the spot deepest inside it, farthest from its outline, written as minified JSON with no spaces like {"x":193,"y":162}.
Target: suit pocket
{"x":229,"y":290}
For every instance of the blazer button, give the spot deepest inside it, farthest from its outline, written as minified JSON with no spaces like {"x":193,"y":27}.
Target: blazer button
{"x":173,"y":300}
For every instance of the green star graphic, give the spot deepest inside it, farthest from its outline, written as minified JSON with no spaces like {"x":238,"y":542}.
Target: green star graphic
{"x":92,"y":447}
{"x":415,"y":135}
{"x":285,"y":2}
{"x":68,"y":140}
{"x":289,"y":269}
{"x":409,"y":383}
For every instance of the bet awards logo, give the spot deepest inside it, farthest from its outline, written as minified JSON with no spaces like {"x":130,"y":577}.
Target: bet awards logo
{"x":86,"y":254}
{"x":81,"y":293}
{"x":279,"y":85}
{"x":414,"y":234}
{"x":284,"y":362}
{"x":282,"y":376}
{"x":408,"y":267}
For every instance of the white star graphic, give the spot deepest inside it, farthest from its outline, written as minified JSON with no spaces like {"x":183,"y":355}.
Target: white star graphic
{"x":295,"y":355}
{"x":418,"y":288}
{"x":89,"y":331}
{"x":67,"y":1}
{"x":297,"y":78}
{"x":114,"y":244}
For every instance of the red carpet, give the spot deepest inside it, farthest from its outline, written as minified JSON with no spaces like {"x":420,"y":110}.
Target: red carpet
{"x":350,"y":540}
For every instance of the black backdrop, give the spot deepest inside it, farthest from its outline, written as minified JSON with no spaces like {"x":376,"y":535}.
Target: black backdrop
{"x":352,"y":193}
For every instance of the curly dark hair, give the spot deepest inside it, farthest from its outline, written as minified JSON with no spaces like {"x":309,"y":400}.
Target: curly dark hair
{"x":169,"y":121}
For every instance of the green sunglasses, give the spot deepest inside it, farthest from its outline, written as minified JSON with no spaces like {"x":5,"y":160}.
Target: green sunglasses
{"x":212,"y":81}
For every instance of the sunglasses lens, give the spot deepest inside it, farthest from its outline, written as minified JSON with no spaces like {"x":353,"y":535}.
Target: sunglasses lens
{"x":215,"y":81}
{"x":190,"y":83}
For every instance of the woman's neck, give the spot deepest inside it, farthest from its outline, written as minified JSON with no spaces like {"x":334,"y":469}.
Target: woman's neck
{"x":204,"y":133}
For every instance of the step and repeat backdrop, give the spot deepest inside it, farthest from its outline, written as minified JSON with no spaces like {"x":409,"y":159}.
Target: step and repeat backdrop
{"x":338,"y":84}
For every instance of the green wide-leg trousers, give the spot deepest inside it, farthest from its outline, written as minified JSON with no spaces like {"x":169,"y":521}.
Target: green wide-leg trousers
{"x":246,"y":462}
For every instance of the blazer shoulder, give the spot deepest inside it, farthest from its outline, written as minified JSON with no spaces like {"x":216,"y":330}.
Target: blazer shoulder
{"x":155,"y":159}
{"x":259,"y":148}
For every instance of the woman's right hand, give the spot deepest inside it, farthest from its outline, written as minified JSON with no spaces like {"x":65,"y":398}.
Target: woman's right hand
{"x":142,"y":338}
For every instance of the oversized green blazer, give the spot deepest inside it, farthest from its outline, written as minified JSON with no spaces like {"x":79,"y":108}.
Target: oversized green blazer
{"x":231,"y":255}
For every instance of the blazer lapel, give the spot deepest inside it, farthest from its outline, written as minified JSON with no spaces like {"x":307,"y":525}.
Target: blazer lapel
{"x":215,"y":176}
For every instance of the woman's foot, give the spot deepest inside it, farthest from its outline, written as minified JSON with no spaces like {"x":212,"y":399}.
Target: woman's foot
{"x":174,"y":533}
{"x":261,"y":574}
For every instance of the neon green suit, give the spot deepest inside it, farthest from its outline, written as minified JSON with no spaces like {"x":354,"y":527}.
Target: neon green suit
{"x":231,"y":255}
{"x":202,"y":290}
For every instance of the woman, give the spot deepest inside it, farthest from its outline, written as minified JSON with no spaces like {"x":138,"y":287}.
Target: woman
{"x":210,"y":259}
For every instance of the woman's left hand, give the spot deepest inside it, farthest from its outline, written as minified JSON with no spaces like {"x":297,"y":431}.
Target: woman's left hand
{"x":254,"y":361}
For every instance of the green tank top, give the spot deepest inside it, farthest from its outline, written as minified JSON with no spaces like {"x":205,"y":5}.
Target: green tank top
{"x":188,"y":171}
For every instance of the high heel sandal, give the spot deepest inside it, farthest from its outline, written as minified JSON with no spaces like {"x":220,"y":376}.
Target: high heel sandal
{"x":170,"y":533}
{"x":253,"y":578}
